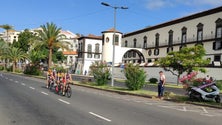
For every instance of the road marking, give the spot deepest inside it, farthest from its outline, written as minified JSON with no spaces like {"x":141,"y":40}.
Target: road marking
{"x":205,"y":111}
{"x":31,"y":88}
{"x":16,"y":81}
{"x":11,"y":79}
{"x":99,"y":116}
{"x":64,"y":101}
{"x":184,"y":109}
{"x":207,"y":115}
{"x":23,"y":84}
{"x":44,"y":93}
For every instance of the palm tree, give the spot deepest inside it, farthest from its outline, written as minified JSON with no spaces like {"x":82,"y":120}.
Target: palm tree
{"x":14,"y":55}
{"x":7,"y":28}
{"x":50,"y":36}
{"x":3,"y":48}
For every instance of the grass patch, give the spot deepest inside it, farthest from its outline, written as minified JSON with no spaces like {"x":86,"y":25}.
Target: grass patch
{"x":118,"y":89}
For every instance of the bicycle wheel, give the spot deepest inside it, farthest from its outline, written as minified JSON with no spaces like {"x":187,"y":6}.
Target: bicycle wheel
{"x":69,"y":92}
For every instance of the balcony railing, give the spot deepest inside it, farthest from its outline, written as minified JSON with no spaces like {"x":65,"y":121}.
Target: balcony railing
{"x":151,"y":44}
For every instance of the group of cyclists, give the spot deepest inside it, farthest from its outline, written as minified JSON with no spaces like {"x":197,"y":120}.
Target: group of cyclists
{"x":58,"y":79}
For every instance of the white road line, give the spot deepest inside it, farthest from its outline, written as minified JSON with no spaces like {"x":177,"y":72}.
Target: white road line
{"x":11,"y":79}
{"x":184,"y":109}
{"x":16,"y":81}
{"x":23,"y":84}
{"x":64,"y":101}
{"x":204,"y":110}
{"x":207,"y":115}
{"x":99,"y":116}
{"x":31,"y":88}
{"x":44,"y":93}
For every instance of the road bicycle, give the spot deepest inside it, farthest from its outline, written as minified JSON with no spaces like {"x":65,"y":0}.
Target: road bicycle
{"x":68,"y":90}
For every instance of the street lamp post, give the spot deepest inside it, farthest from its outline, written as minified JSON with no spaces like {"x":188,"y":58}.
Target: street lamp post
{"x":114,"y":36}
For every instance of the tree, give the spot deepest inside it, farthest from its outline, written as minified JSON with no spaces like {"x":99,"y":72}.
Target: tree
{"x":100,"y":71}
{"x":24,"y":40}
{"x":186,"y":60}
{"x":3,"y":48}
{"x":7,"y":28}
{"x":50,"y":36}
{"x":14,"y":55}
{"x":36,"y":56}
{"x":135,"y":77}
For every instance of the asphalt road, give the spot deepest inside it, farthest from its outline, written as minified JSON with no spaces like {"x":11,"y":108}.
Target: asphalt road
{"x":26,"y":101}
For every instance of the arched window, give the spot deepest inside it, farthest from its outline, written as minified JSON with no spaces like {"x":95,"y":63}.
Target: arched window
{"x":145,"y":42}
{"x":97,"y":51}
{"x":184,"y":35}
{"x":134,"y":42}
{"x":126,"y":43}
{"x":218,"y":28}
{"x":217,"y":45}
{"x":199,"y":32}
{"x":157,"y":40}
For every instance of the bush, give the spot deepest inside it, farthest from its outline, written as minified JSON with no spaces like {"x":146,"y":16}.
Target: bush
{"x":153,"y":80}
{"x":219,"y":84}
{"x":135,"y":77}
{"x":32,"y":70}
{"x":100,"y":71}
{"x":1,"y":68}
{"x":197,"y":82}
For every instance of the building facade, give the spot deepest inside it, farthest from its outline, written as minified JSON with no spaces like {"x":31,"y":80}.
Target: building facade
{"x":89,"y":51}
{"x":147,"y":45}
{"x":202,"y":28}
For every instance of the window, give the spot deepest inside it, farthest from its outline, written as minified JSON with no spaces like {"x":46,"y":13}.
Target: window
{"x":157,"y":40}
{"x":217,"y":58}
{"x":217,"y":45}
{"x":219,"y":28}
{"x":184,"y":35}
{"x":97,"y":54}
{"x":116,"y":39}
{"x":150,"y":52}
{"x":144,"y":42}
{"x":156,"y":52}
{"x":134,"y":43}
{"x":199,"y":32}
{"x":170,"y":40}
{"x":126,"y":43}
{"x":89,"y":51}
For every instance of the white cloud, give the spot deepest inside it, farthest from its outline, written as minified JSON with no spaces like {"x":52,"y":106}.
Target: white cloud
{"x":156,"y":4}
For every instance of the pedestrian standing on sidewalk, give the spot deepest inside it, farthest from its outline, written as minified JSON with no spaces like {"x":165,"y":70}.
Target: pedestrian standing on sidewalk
{"x":161,"y":84}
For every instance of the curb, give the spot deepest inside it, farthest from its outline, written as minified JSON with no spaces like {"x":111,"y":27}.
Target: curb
{"x":119,"y":92}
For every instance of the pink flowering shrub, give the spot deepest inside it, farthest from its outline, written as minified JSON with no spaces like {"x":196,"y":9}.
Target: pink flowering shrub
{"x":188,"y":79}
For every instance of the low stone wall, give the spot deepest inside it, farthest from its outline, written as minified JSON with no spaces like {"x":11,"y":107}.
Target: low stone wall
{"x":153,"y":72}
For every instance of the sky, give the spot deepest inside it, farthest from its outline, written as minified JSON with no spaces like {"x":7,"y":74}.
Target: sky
{"x":91,"y":17}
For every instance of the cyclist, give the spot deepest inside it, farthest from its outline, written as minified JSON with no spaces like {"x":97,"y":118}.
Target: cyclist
{"x":49,"y":78}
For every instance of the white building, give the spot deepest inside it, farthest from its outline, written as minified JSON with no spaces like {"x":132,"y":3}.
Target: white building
{"x":71,"y":54}
{"x":89,"y":51}
{"x":149,"y":44}
{"x":11,"y":36}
